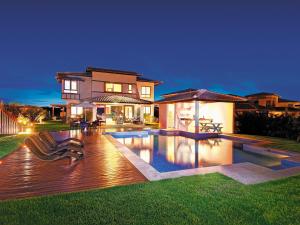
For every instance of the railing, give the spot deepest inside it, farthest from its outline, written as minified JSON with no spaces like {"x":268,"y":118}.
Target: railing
{"x":8,"y":123}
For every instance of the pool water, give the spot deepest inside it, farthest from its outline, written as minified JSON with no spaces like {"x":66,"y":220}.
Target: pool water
{"x":171,"y":153}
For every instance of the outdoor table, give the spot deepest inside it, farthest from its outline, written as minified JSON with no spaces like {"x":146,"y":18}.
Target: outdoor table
{"x":206,"y":126}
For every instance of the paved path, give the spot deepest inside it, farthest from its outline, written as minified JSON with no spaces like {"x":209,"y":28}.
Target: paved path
{"x":24,"y":175}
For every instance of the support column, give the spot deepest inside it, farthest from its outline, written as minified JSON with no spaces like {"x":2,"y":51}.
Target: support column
{"x":52,"y":112}
{"x":94,"y":117}
{"x":175,"y":116}
{"x":196,"y":117}
{"x":142,"y":113}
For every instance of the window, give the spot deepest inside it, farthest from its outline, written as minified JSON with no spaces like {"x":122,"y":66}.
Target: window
{"x":76,"y":111}
{"x":70,"y":86}
{"x":129,"y":88}
{"x":147,"y":109}
{"x":110,"y":87}
{"x":146,"y":92}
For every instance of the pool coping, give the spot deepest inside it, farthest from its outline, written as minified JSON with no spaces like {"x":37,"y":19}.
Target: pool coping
{"x":246,"y":173}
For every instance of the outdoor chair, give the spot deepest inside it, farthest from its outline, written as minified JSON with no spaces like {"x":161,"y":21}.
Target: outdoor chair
{"x":46,"y":136}
{"x":37,"y":148}
{"x":48,"y":149}
{"x":74,"y":125}
{"x":51,"y":146}
{"x":84,"y":125}
{"x":95,"y":124}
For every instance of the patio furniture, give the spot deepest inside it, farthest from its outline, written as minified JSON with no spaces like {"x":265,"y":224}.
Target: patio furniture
{"x":119,"y":120}
{"x":136,"y":120}
{"x":46,"y":136}
{"x":210,"y":126}
{"x":50,"y":149}
{"x":85,"y":105}
{"x":38,"y":148}
{"x":84,"y":125}
{"x":75,"y":124}
{"x":95,"y":124}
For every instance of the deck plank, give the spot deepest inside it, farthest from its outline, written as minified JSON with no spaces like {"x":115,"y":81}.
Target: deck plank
{"x":24,"y":175}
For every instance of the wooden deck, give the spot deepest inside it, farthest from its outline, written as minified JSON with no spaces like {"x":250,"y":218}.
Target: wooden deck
{"x":24,"y":175}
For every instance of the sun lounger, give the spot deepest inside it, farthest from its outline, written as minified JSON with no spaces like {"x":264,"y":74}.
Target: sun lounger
{"x":37,"y":147}
{"x":46,"y":136}
{"x":48,"y":149}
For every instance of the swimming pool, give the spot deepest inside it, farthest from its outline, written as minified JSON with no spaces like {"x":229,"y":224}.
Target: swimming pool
{"x":172,"y":153}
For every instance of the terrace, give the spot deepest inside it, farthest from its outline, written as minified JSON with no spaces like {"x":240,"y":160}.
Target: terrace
{"x":110,"y":162}
{"x":85,"y":191}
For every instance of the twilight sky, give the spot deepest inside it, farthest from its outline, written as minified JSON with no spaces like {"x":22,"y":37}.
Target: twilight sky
{"x":236,"y":47}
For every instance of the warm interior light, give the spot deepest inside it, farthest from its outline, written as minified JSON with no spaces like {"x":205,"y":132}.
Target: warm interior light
{"x":28,"y":130}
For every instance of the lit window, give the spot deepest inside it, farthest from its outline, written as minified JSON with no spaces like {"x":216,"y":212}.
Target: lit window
{"x":110,"y":87}
{"x":70,"y":86}
{"x":146,"y":92}
{"x":129,"y":88}
{"x":147,"y":109}
{"x":76,"y":111}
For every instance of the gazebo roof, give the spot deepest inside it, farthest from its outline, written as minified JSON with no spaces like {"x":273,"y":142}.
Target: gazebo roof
{"x":118,"y":99}
{"x":199,"y":95}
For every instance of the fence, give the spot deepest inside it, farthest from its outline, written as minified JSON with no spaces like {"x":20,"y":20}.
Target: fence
{"x":8,"y":123}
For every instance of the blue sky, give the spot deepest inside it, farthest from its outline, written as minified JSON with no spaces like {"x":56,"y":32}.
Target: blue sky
{"x":236,"y":47}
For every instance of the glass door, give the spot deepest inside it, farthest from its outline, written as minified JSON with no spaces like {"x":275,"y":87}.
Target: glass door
{"x":128,"y":112}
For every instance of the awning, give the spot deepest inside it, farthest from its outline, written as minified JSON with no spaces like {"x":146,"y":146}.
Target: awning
{"x":118,"y":99}
{"x":200,"y":95}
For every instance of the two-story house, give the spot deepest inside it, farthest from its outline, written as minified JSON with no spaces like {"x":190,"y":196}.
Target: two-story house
{"x":115,"y":94}
{"x":271,"y":103}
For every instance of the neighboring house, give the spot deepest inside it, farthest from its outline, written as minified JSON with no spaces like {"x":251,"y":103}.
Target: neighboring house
{"x":118,"y":96}
{"x":270,"y":103}
{"x":195,"y":110}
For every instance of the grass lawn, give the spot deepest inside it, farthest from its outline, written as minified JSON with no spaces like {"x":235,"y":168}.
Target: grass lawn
{"x":10,"y":143}
{"x":51,"y":126}
{"x":206,"y":199}
{"x":279,"y":143}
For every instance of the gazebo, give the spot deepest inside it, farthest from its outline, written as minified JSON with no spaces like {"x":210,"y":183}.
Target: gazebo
{"x":198,"y":110}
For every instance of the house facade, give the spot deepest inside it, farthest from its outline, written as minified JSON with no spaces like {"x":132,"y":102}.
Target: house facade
{"x":269,"y":103}
{"x":116,"y":95}
{"x":194,"y":110}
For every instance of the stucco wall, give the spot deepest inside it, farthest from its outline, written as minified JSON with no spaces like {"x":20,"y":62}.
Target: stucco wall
{"x":163,"y":116}
{"x":146,"y":84}
{"x":220,"y":112}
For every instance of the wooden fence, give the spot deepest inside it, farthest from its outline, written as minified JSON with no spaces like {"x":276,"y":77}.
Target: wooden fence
{"x":8,"y":123}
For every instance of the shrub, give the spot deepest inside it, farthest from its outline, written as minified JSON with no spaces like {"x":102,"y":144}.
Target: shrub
{"x":262,"y":124}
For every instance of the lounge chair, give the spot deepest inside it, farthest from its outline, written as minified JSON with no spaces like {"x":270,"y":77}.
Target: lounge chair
{"x":48,"y":149}
{"x":46,"y":136}
{"x":37,"y":148}
{"x":51,"y":146}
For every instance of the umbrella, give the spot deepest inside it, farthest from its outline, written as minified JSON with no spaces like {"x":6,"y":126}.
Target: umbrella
{"x":85,"y":105}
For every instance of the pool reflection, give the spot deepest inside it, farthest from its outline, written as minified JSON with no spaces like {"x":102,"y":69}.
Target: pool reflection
{"x":167,"y":153}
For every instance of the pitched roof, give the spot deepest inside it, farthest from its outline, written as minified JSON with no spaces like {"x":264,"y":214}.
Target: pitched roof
{"x":108,"y":98}
{"x":91,"y":69}
{"x":286,"y":100}
{"x":144,"y":79}
{"x":245,"y":105}
{"x":199,"y":95}
{"x":180,"y":91}
{"x":261,"y":94}
{"x":71,"y":75}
